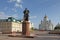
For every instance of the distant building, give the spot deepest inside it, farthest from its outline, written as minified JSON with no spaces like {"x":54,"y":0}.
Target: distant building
{"x":57,"y":27}
{"x":46,"y":24}
{"x":31,"y":25}
{"x":10,"y":25}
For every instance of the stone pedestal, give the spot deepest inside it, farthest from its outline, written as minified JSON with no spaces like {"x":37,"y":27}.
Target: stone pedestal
{"x":26,"y":28}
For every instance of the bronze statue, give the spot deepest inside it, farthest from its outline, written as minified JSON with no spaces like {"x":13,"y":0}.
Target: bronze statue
{"x":26,"y":14}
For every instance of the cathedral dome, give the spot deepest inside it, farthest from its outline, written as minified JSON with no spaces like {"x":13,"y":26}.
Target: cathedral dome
{"x":46,"y":16}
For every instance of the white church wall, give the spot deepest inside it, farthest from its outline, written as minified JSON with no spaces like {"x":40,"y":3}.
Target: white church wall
{"x":46,"y":24}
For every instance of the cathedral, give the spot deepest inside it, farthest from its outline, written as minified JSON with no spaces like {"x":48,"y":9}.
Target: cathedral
{"x":46,"y":24}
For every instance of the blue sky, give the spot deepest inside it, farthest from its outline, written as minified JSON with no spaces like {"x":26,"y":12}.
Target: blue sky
{"x":38,"y":9}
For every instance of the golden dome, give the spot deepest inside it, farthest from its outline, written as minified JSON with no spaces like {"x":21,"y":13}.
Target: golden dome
{"x":46,"y":16}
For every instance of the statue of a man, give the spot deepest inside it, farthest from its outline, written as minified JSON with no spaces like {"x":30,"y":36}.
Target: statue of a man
{"x":26,"y":14}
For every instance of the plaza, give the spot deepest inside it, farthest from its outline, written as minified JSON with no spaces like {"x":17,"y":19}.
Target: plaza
{"x":38,"y":35}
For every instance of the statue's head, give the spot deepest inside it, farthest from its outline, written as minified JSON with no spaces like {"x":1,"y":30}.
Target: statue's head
{"x":26,"y":11}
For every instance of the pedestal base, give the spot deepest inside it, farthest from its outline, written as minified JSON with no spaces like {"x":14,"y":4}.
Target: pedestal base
{"x":26,"y":28}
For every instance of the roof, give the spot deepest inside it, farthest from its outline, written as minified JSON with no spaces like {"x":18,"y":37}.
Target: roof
{"x":10,"y":19}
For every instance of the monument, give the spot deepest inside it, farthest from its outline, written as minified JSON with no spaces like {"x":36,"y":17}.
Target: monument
{"x":26,"y":23}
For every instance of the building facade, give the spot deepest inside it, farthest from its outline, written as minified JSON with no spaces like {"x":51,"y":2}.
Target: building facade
{"x":46,"y":24}
{"x":10,"y":25}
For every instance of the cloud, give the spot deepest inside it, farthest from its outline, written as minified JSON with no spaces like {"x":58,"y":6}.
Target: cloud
{"x":13,"y":9}
{"x":18,"y":3}
{"x":15,"y":15}
{"x":5,"y":8}
{"x":31,"y":17}
{"x":11,"y":0}
{"x":2,"y":15}
{"x":5,"y":16}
